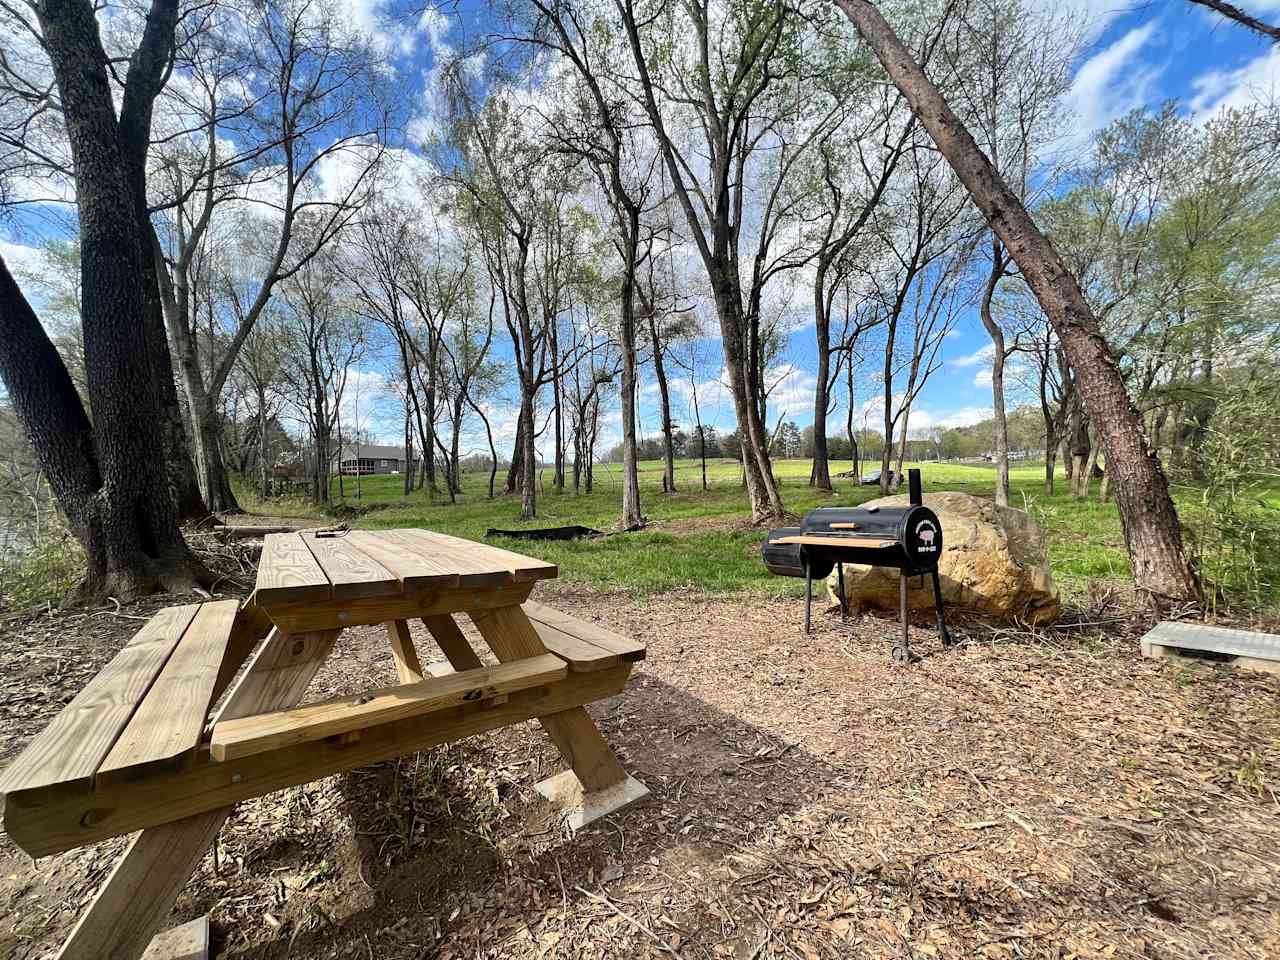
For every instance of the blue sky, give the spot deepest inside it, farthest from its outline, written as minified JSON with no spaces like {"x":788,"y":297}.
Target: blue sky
{"x":1140,"y":56}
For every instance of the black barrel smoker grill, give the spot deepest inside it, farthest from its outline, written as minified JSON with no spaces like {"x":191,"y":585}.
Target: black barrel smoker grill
{"x":908,"y":538}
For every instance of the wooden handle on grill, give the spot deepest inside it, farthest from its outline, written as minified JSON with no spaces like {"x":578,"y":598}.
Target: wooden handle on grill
{"x":844,"y":526}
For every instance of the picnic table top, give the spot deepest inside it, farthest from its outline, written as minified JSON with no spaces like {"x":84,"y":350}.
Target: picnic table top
{"x":312,"y":566}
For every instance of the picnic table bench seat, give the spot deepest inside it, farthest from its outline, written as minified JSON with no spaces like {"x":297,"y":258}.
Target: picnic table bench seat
{"x":146,"y":707}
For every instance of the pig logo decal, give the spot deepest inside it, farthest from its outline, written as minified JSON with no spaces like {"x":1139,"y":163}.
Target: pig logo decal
{"x":926,"y":533}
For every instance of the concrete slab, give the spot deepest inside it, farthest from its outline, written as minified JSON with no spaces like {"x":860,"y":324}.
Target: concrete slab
{"x":1254,"y":651}
{"x":565,"y":791}
{"x":187,"y":942}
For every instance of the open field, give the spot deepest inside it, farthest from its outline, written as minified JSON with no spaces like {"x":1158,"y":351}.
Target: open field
{"x":703,"y":540}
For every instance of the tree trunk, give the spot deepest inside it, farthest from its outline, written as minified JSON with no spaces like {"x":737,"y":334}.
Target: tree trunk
{"x":528,"y":460}
{"x":664,"y":398}
{"x":997,"y":374}
{"x":820,"y":476}
{"x":631,"y":516}
{"x":140,"y":543}
{"x":1148,"y":517}
{"x":762,"y":488}
{"x":46,"y":401}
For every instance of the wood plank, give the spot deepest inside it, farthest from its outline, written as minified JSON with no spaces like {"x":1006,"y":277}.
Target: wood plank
{"x":408,"y":666}
{"x":284,"y":729}
{"x":521,"y":568}
{"x":452,"y":642}
{"x":817,"y":540}
{"x":512,"y":636}
{"x":169,"y":722}
{"x":71,"y":748}
{"x":281,"y":671}
{"x":251,"y":627}
{"x":288,"y":573}
{"x":1222,"y":640}
{"x":622,"y":646}
{"x":187,"y":942}
{"x":415,"y":572}
{"x":351,"y":572}
{"x":582,"y":657}
{"x":137,"y":897}
{"x":140,"y":892}
{"x":453,"y":556}
{"x":51,"y":821}
{"x":305,"y":617}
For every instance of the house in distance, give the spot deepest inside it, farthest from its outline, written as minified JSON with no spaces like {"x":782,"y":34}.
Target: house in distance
{"x":369,"y":458}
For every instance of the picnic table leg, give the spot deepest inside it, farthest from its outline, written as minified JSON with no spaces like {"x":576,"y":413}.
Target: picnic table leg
{"x":408,"y":666}
{"x":137,"y":897}
{"x":596,"y":784}
{"x":449,"y":638}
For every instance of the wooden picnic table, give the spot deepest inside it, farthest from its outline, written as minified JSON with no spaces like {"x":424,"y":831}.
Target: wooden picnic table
{"x":202,"y":708}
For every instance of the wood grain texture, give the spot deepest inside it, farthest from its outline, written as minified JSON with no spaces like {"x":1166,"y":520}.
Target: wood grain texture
{"x":279,"y":673}
{"x":582,"y":657}
{"x":512,"y":636}
{"x":45,"y":822}
{"x":452,"y":642}
{"x":72,"y":747}
{"x":170,"y":720}
{"x":351,"y":572}
{"x":415,"y":572}
{"x":283,"y":729}
{"x":593,"y":633}
{"x":304,"y":617}
{"x":453,"y":555}
{"x":521,"y":569}
{"x":288,"y":573}
{"x":408,"y":666}
{"x":816,"y":540}
{"x":251,"y":627}
{"x":139,"y":894}
{"x":187,"y":942}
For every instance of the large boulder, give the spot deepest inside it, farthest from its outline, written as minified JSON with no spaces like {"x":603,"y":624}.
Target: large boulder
{"x":994,"y":562}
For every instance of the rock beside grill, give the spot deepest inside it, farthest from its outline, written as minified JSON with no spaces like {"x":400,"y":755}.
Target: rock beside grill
{"x":994,"y":563}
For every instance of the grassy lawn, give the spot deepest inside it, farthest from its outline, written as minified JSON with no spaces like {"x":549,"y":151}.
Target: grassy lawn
{"x":700,"y":540}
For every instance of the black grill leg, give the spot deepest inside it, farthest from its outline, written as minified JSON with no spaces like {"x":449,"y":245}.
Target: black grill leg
{"x":844,"y":604}
{"x":808,"y":596}
{"x":902,"y":649}
{"x":943,"y":632}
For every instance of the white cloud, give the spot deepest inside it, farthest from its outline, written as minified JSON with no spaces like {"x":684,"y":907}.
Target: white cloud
{"x":981,"y":355}
{"x":1256,"y":81}
{"x":1110,"y":84}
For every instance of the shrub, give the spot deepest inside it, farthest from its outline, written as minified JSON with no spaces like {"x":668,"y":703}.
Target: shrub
{"x":43,"y":571}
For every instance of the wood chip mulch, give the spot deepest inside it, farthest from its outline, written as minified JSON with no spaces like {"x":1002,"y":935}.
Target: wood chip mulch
{"x":1023,"y":795}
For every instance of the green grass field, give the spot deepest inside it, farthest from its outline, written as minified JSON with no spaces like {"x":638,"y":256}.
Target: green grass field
{"x":697,"y":541}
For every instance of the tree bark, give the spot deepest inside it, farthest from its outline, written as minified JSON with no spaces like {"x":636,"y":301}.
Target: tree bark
{"x":46,"y":401}
{"x":631,"y":516}
{"x":997,"y":373}
{"x":139,"y":543}
{"x":1148,"y":517}
{"x":820,"y":476}
{"x":664,"y":401}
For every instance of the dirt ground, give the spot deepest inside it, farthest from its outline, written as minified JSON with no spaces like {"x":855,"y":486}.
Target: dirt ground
{"x":1018,"y":796}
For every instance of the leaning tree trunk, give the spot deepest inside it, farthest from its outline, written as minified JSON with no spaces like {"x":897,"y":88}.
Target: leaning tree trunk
{"x":46,"y":402}
{"x":1148,"y":517}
